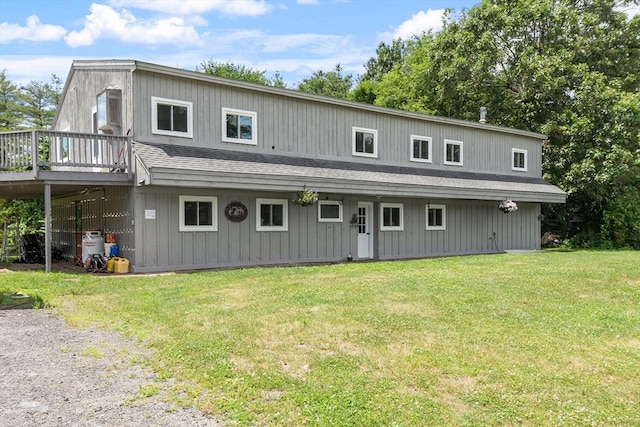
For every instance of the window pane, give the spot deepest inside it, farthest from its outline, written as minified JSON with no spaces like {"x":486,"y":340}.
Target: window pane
{"x":265,"y":215}
{"x":204,"y":213}
{"x":453,"y":153}
{"x":164,"y":117}
{"x":246,"y":127}
{"x":329,"y":211}
{"x":277,"y":215}
{"x":232,"y":126}
{"x":180,"y":119}
{"x":424,"y":146}
{"x":435,"y":217}
{"x":359,"y":142}
{"x":420,"y":149}
{"x":102,"y":109}
{"x":416,"y":148}
{"x":395,"y":217}
{"x":368,"y":143}
{"x":190,"y":213}
{"x":518,"y":160}
{"x":391,"y":217}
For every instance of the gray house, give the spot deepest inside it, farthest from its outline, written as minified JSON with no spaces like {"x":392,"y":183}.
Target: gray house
{"x":192,"y":171}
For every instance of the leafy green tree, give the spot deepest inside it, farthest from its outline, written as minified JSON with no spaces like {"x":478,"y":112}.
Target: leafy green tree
{"x":38,"y":102}
{"x":31,"y":106}
{"x":331,"y":83}
{"x":10,"y":115}
{"x":566,"y":68}
{"x":241,"y":72}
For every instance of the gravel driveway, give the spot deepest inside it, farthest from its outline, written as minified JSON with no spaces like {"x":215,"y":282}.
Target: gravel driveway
{"x":55,"y":375}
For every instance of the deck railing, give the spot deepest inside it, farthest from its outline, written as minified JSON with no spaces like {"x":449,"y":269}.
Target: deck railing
{"x":65,"y":151}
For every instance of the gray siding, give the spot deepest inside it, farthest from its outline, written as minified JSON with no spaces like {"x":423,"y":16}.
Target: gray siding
{"x":469,"y":230}
{"x":74,"y":113}
{"x":308,"y":128}
{"x":469,"y":226}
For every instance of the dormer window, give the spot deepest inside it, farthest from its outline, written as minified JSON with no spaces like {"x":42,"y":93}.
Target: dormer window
{"x":239,"y":126}
{"x":172,"y":117}
{"x":452,"y":152}
{"x":364,"y":142}
{"x":519,"y":158}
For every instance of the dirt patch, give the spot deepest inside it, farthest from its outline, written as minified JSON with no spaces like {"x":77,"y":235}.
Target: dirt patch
{"x":56,"y":375}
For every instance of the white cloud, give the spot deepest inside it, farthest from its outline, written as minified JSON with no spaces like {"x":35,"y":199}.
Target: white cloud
{"x":105,"y":23}
{"x":22,"y":69}
{"x":34,"y":31}
{"x":185,"y":7}
{"x":419,"y":23}
{"x":305,"y":2}
{"x":261,"y":42}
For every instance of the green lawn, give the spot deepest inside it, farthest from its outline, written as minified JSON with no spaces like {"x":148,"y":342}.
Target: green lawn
{"x":541,"y":339}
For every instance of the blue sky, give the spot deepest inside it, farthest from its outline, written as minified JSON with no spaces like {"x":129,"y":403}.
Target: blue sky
{"x":296,"y":38}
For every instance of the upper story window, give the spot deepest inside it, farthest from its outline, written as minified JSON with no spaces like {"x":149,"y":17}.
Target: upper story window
{"x":172,"y":117}
{"x":519,"y":160}
{"x":421,"y":148}
{"x":452,"y":152}
{"x":273,"y":215}
{"x":108,"y":112}
{"x":329,"y":211}
{"x":436,"y":217}
{"x":239,"y":126}
{"x":365,"y":142}
{"x":391,"y":215}
{"x":198,"y":213}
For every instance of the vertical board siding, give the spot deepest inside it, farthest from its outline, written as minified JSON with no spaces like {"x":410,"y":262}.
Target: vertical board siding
{"x":309,"y":128}
{"x":469,"y":229}
{"x":74,"y":113}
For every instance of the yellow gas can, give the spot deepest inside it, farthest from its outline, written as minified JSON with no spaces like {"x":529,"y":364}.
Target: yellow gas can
{"x":111,"y":264}
{"x":121,"y":265}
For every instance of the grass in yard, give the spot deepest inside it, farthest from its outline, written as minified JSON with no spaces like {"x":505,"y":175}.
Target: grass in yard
{"x":542,"y":339}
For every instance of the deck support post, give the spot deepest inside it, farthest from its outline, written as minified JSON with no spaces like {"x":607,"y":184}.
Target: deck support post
{"x":47,"y":227}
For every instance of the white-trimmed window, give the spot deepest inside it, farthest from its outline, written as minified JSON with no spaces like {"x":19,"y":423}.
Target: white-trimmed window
{"x":519,"y":159}
{"x":171,"y":117}
{"x":436,"y":217}
{"x":198,"y":213}
{"x":452,"y":152}
{"x":329,"y":211}
{"x":239,"y":126}
{"x":391,"y":217}
{"x":421,"y":148}
{"x":272,"y":215}
{"x":365,"y":142}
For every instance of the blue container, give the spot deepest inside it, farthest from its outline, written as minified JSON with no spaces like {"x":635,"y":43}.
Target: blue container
{"x":114,"y":251}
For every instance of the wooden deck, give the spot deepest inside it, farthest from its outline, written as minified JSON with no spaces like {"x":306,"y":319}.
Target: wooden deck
{"x":68,"y":161}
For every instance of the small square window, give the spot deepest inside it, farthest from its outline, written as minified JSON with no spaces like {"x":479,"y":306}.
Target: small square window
{"x":329,"y":211}
{"x":452,"y":152}
{"x":171,"y":117}
{"x":519,"y":158}
{"x":239,"y":126}
{"x":198,"y":213}
{"x":420,"y":148}
{"x":436,"y":219}
{"x":391,"y":217}
{"x":273,"y":215}
{"x":365,"y":142}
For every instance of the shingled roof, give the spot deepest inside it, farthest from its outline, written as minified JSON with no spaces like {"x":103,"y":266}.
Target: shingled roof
{"x":197,"y":167}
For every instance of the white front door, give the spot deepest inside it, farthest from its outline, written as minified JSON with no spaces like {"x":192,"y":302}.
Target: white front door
{"x":365,"y":237}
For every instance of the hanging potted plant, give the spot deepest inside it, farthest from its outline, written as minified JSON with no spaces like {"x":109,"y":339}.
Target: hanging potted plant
{"x":508,"y":206}
{"x":305,"y":197}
